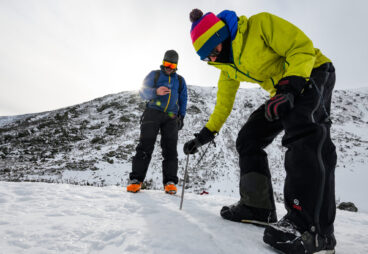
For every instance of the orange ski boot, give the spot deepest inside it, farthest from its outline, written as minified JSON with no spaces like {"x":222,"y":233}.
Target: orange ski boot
{"x":170,"y":188}
{"x":134,"y":186}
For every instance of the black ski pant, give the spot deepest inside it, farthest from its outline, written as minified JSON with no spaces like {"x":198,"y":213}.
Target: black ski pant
{"x":310,"y":159}
{"x":153,"y":122}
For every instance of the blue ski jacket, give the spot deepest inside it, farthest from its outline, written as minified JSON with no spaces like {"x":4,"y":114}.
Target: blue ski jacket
{"x":173,"y":103}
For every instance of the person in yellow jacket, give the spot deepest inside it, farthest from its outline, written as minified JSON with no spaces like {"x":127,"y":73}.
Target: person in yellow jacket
{"x":270,"y":51}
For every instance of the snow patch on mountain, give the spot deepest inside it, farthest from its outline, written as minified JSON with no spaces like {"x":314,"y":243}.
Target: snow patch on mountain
{"x":93,"y":143}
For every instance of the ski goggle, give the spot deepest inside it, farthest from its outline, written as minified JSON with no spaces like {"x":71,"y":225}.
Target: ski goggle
{"x":169,"y":65}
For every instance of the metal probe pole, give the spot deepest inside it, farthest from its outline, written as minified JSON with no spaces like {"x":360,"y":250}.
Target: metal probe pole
{"x":185,"y":178}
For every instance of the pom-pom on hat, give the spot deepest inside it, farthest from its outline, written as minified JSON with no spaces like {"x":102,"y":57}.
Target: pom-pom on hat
{"x":207,"y":32}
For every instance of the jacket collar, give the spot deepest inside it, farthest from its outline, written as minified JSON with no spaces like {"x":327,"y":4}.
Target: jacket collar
{"x":173,"y":74}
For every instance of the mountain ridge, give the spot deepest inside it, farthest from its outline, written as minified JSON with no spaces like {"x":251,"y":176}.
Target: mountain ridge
{"x":92,"y":143}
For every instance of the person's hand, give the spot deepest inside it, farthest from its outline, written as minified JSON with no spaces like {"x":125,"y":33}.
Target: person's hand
{"x":278,"y":106}
{"x":291,"y":84}
{"x":180,"y":122}
{"x":162,"y":90}
{"x":201,"y":138}
{"x":287,"y":90}
{"x":191,"y":147}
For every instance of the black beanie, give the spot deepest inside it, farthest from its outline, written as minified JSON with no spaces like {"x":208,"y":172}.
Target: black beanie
{"x":171,"y":56}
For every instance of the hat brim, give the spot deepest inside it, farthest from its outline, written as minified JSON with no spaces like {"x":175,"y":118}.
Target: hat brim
{"x":220,"y":36}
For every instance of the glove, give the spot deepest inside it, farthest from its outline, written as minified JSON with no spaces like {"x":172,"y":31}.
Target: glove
{"x":201,"y":138}
{"x":278,"y":106}
{"x":287,"y":89}
{"x":180,"y":122}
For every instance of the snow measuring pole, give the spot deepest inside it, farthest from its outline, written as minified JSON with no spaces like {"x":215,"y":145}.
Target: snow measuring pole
{"x":186,"y":171}
{"x":185,"y":179}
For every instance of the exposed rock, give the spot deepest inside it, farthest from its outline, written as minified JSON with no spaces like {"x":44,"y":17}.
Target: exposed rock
{"x":348,"y":206}
{"x":93,"y":143}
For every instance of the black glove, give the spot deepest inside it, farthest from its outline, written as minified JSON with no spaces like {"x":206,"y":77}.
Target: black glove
{"x":287,"y":89}
{"x":201,"y":138}
{"x":180,"y":122}
{"x":291,"y":84}
{"x":278,"y":106}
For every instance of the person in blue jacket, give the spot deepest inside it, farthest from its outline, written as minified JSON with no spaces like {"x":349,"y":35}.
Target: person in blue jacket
{"x":166,"y":93}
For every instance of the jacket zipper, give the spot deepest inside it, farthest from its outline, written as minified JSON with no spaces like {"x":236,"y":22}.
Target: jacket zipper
{"x":168,"y":101}
{"x":234,"y":67}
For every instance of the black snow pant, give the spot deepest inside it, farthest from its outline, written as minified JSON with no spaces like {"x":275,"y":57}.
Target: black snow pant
{"x":310,"y":159}
{"x":154,"y":121}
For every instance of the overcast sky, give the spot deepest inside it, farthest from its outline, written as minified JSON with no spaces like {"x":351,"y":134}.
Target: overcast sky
{"x":57,"y":53}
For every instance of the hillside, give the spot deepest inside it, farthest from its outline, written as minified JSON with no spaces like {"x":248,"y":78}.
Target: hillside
{"x":93,"y":143}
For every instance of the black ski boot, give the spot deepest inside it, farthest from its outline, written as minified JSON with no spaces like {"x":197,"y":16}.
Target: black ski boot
{"x":285,"y":237}
{"x":243,"y":213}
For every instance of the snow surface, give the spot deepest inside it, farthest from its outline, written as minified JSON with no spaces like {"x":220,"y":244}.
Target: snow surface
{"x":62,"y":218}
{"x":4,"y":120}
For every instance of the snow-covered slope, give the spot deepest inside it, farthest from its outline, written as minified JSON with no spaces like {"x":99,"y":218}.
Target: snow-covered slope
{"x":60,"y":218}
{"x":93,"y":143}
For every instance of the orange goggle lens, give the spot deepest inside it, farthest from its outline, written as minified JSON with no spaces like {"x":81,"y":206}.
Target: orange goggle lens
{"x":170,"y":65}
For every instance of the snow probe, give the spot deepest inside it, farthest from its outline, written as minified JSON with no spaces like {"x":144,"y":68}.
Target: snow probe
{"x":186,"y":173}
{"x":185,"y":178}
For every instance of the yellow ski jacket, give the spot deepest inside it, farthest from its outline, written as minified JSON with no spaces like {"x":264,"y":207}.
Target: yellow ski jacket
{"x":266,"y":48}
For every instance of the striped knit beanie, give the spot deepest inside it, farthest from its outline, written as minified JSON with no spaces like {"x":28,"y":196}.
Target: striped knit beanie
{"x":207,"y":32}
